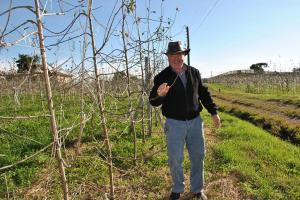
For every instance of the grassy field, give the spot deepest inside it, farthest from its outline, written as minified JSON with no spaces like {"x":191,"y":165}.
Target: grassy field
{"x":282,"y":97}
{"x":263,"y":166}
{"x":281,"y":117}
{"x":243,"y":161}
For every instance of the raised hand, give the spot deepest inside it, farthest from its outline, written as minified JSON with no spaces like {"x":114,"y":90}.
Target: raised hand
{"x":163,"y":89}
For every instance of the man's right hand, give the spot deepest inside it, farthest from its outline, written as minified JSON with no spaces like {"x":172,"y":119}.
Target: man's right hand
{"x":163,"y":89}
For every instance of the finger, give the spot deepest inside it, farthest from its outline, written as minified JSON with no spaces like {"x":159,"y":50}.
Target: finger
{"x":165,"y":85}
{"x":163,"y":89}
{"x":167,"y":88}
{"x":161,"y":92}
{"x":161,"y":86}
{"x":218,"y":124}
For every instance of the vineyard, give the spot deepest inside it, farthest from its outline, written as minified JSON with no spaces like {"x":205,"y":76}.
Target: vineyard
{"x":26,"y":142}
{"x":230,"y":167}
{"x":274,"y":108}
{"x":82,"y":127}
{"x":260,"y":83}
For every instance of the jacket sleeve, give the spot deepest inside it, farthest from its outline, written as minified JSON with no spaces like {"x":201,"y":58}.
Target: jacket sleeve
{"x":154,"y":99}
{"x":205,"y":98}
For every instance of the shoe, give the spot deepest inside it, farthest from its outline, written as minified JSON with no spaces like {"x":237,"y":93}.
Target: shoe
{"x":174,"y":196}
{"x":200,"y":196}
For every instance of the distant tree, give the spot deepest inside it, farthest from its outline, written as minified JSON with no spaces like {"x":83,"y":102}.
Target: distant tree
{"x":27,"y":62}
{"x":296,"y":69}
{"x":118,"y":76}
{"x":259,"y":67}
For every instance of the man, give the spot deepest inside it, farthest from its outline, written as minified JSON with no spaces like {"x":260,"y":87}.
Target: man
{"x":179,"y":89}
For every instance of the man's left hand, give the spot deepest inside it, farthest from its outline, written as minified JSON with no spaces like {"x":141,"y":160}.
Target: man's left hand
{"x":216,"y":121}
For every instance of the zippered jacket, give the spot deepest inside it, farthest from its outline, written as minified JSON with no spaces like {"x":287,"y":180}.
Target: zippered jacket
{"x":182,"y":103}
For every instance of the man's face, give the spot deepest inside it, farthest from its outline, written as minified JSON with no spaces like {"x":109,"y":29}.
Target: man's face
{"x":176,"y":61}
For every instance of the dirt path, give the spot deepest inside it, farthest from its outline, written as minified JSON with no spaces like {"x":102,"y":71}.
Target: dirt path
{"x":217,"y":186}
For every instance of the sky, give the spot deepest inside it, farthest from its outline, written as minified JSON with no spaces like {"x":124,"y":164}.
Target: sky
{"x":225,"y":35}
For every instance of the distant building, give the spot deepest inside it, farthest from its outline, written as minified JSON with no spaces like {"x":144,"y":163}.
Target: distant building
{"x":59,"y":76}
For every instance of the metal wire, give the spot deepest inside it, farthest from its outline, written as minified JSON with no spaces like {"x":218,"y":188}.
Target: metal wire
{"x":154,"y":98}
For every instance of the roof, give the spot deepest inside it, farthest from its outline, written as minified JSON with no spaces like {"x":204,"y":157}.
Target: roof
{"x":51,"y":73}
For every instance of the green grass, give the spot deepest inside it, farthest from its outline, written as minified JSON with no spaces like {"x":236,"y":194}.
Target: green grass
{"x":265,"y":166}
{"x":21,"y":138}
{"x":276,"y":124}
{"x":289,"y":98}
{"x":288,"y":110}
{"x":278,"y":118}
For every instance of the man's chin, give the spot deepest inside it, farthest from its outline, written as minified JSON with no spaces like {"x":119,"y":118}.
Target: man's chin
{"x":178,"y":67}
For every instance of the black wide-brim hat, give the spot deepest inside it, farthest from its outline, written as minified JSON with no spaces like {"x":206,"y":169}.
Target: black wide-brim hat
{"x":176,"y":48}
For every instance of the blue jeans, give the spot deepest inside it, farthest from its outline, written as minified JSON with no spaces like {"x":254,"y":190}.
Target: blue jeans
{"x":178,"y":133}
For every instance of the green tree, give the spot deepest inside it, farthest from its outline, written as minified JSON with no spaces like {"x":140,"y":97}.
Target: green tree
{"x":27,"y":62}
{"x":118,"y":76}
{"x":259,"y":67}
{"x":296,"y":69}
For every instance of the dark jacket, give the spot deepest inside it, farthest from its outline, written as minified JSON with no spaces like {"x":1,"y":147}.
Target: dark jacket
{"x":182,"y":103}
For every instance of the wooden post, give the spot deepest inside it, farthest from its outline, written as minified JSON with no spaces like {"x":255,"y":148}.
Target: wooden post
{"x":188,"y":42}
{"x":56,"y":142}
{"x":100,"y":103}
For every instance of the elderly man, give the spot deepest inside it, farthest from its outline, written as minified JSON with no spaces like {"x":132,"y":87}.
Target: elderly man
{"x":179,"y":89}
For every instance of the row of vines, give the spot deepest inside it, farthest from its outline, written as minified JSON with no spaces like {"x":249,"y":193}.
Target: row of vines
{"x":108,"y":79}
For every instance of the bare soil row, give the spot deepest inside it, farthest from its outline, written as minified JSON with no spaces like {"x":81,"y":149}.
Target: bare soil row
{"x":290,"y":110}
